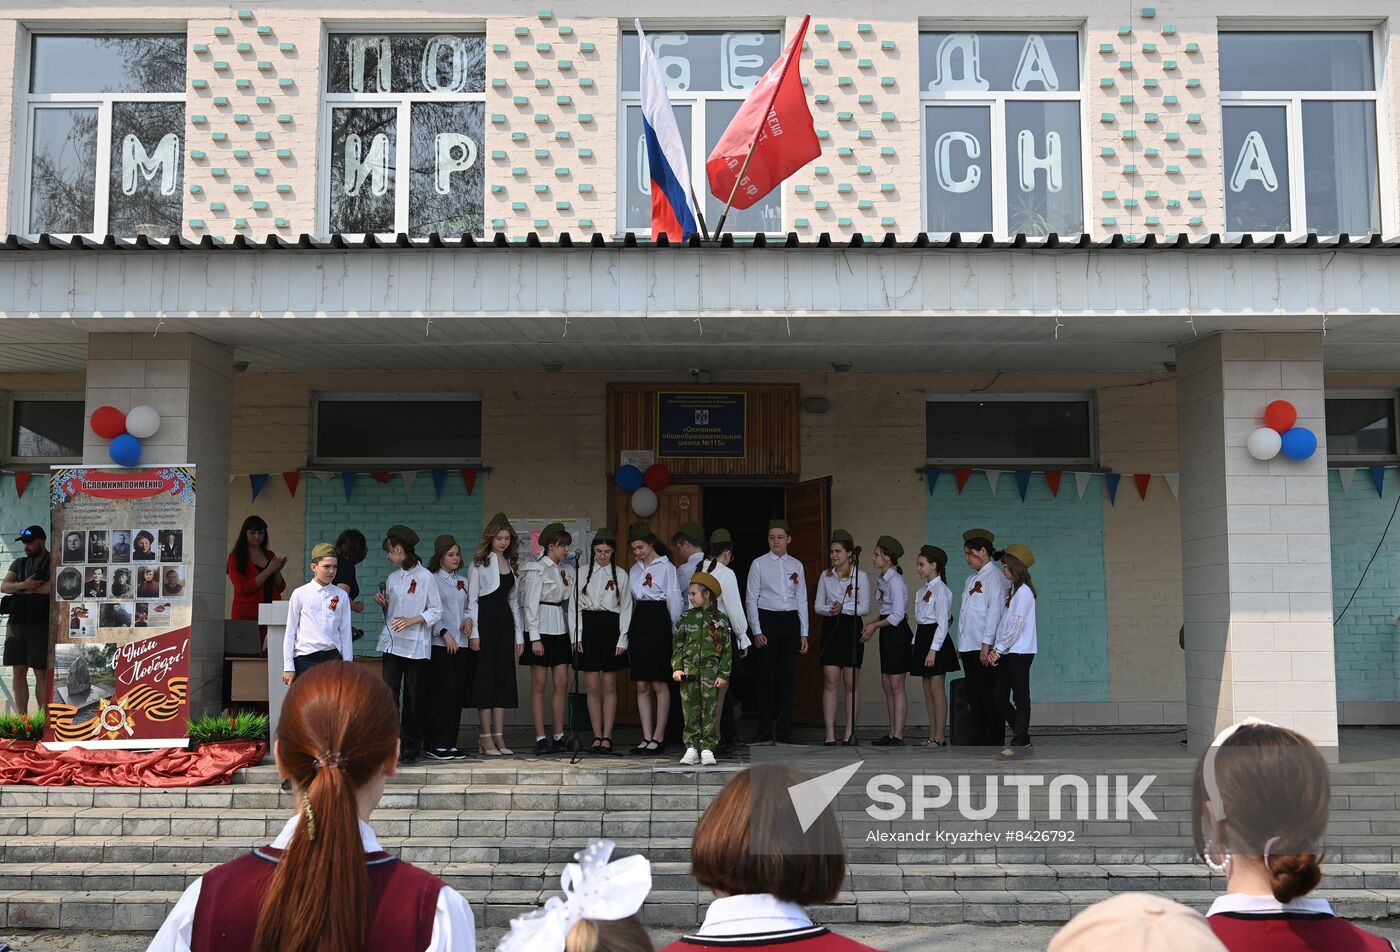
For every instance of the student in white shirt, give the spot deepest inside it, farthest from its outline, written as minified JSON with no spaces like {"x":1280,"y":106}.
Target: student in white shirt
{"x":447,"y":671}
{"x":546,"y":586}
{"x":719,"y":557}
{"x":979,"y":615}
{"x":843,"y":601}
{"x":776,"y":599}
{"x":1014,"y":650}
{"x":318,"y":619}
{"x":896,"y":640}
{"x":603,"y":609}
{"x":656,"y":604}
{"x":688,"y":547}
{"x":411,"y":610}
{"x":934,"y":652}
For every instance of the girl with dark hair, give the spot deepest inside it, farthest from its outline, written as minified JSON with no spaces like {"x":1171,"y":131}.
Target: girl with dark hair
{"x":979,"y":615}
{"x":545,"y":587}
{"x":350,"y":550}
{"x":842,"y":599}
{"x":718,"y":559}
{"x":603,"y":607}
{"x":447,"y":670}
{"x":1014,"y":650}
{"x":412,"y":609}
{"x":497,"y":638}
{"x":253,"y":568}
{"x":934,"y":654}
{"x":656,"y":604}
{"x":325,"y":882}
{"x":892,"y":596}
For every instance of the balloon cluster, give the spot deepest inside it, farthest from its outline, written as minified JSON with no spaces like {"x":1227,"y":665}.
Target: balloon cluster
{"x":125,"y":430}
{"x":1280,"y":435}
{"x":643,"y":485}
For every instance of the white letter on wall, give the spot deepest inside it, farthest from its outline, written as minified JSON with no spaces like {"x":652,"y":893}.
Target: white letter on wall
{"x":945,"y":80}
{"x":732,"y":61}
{"x":360,"y":47}
{"x":373,"y":165}
{"x":1035,"y":66}
{"x":1254,"y":165}
{"x":674,"y":69}
{"x":429,"y":71}
{"x":135,"y":159}
{"x":943,"y":162}
{"x":449,"y":143}
{"x":1030,"y":162}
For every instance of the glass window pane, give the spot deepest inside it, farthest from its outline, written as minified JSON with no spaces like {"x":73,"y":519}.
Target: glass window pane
{"x":363,"y":147}
{"x":407,"y":63}
{"x":144,"y":195}
{"x":958,"y":143}
{"x":1256,"y":169}
{"x":118,"y":63}
{"x":978,"y":62}
{"x":1361,"y":426}
{"x":446,"y":182}
{"x":47,"y":428}
{"x":730,"y":62}
{"x":764,"y":215}
{"x":636,"y":188}
{"x":1264,"y":62}
{"x":406,"y":430}
{"x":63,"y":171}
{"x":1044,"y":190}
{"x":974,"y":432}
{"x":1341,"y":180}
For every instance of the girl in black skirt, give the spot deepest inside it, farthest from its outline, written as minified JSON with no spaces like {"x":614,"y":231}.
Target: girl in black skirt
{"x":656,"y":604}
{"x":895,"y":637}
{"x":603,"y":609}
{"x":497,"y":638}
{"x":843,"y":599}
{"x":545,"y":587}
{"x":935,"y":654}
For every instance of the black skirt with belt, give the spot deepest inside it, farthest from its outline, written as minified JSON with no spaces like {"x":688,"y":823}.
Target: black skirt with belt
{"x":649,"y":641}
{"x":599,"y":636}
{"x":839,"y":634}
{"x":895,"y":649}
{"x":944,"y":661}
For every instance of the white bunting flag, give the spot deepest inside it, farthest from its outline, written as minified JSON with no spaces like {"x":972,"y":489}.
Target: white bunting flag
{"x":408,"y":477}
{"x":1346,"y":475}
{"x":993,"y":477}
{"x":322,"y":475}
{"x":1081,"y":482}
{"x":1173,"y":483}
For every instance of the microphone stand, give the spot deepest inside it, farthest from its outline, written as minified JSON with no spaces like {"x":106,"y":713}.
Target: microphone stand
{"x":575,"y":745}
{"x":854,"y":693}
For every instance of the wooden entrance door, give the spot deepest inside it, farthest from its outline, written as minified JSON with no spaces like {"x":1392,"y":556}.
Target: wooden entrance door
{"x":808,"y":510}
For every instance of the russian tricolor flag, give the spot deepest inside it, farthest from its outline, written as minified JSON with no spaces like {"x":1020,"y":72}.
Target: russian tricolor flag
{"x":671,"y":195}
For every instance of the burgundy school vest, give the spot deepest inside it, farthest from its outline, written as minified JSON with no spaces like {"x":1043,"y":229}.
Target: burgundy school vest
{"x":810,"y":939}
{"x":403,"y":903}
{"x":1293,"y":932}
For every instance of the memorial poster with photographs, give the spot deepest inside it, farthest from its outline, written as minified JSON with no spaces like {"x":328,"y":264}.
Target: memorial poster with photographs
{"x":120,"y":624}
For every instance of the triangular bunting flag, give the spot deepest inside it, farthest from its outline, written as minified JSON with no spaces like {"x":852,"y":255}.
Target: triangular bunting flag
{"x":1111,"y":481}
{"x":408,"y":477}
{"x":1378,"y":479}
{"x":469,"y":479}
{"x":931,"y":478}
{"x":322,"y":475}
{"x":439,"y":481}
{"x":348,"y":479}
{"x":293,"y":479}
{"x":961,"y":475}
{"x":21,"y":482}
{"x":1346,"y":475}
{"x":1023,"y":482}
{"x":993,"y":477}
{"x":259,"y":480}
{"x":1052,"y":479}
{"x":1143,"y":480}
{"x":1173,"y":483}
{"x":1081,"y":482}
{"x":382,"y":478}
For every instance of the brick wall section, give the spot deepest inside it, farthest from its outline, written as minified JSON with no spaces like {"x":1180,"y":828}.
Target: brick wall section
{"x":12,"y":124}
{"x":1368,"y":647}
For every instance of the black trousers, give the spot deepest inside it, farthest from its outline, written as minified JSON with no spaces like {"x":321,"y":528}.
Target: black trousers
{"x":442,"y":701}
{"x":775,"y":669}
{"x":303,"y":663}
{"x":405,"y":679}
{"x":1013,"y":695}
{"x":981,"y":697}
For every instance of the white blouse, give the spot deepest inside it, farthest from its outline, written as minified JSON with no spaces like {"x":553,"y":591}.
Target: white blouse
{"x":832,"y":588}
{"x":452,"y":591}
{"x":484,"y":580}
{"x":933,"y":605}
{"x":604,"y":591}
{"x":657,"y":583}
{"x":983,"y":601}
{"x":544,"y":587}
{"x":411,"y":592}
{"x":454,"y":926}
{"x":893,"y":596}
{"x":731,"y":603}
{"x":755,"y":915}
{"x":1017,"y":632}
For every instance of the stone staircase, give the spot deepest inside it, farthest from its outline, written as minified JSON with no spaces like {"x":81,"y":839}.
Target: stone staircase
{"x":500,"y":830}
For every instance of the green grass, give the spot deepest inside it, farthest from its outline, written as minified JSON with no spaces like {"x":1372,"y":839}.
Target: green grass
{"x":21,"y":726}
{"x":231,"y":725}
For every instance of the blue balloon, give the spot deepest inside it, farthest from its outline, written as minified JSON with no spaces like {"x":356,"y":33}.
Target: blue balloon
{"x":1299,"y":443}
{"x":629,"y":478}
{"x":125,"y":450}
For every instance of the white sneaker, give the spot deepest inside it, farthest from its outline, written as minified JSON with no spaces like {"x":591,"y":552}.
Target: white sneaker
{"x":707,"y":757}
{"x":692,"y":757}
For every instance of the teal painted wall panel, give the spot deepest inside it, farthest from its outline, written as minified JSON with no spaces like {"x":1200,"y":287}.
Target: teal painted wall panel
{"x":1367,"y":642}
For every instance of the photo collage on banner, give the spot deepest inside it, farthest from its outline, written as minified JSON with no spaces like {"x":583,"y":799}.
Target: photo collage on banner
{"x":122,"y":607}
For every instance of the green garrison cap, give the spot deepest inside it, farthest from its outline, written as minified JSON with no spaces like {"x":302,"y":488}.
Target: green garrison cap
{"x":403,"y":532}
{"x":971,"y":534}
{"x":692,"y":531}
{"x":841,"y":535}
{"x":779,"y":524}
{"x":721,"y":536}
{"x":499,"y":519}
{"x":891,"y":546}
{"x":321,"y":550}
{"x":554,"y":528}
{"x":444,"y":542}
{"x":1021,"y":553}
{"x":707,"y":580}
{"x":606,"y":534}
{"x":637,"y":531}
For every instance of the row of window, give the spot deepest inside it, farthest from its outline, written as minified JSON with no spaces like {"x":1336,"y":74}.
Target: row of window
{"x":379,"y":428}
{"x":1003,"y":121}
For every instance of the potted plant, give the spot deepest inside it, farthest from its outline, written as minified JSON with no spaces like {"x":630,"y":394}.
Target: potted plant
{"x":21,"y":730}
{"x":229,"y":727}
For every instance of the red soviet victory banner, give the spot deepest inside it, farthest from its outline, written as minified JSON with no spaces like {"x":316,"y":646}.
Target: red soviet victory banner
{"x":769,"y":138}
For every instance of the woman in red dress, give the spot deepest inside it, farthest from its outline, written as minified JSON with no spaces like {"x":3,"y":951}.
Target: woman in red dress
{"x":256,"y":574}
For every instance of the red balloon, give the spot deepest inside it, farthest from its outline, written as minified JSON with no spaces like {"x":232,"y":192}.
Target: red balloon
{"x":1280,"y":415}
{"x":108,"y":422}
{"x":656,"y":478}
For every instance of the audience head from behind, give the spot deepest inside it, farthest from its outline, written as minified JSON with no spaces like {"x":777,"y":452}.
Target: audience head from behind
{"x":599,"y":911}
{"x":1136,"y":922}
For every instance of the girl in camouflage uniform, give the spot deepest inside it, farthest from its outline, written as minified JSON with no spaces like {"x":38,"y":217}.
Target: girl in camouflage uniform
{"x":700,"y":659}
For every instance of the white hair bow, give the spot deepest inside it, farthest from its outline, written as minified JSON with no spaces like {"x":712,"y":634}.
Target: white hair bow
{"x":593,"y":889}
{"x":1208,"y":763}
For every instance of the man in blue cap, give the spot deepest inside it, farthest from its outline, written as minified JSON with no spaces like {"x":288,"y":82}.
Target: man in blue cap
{"x":27,"y":589}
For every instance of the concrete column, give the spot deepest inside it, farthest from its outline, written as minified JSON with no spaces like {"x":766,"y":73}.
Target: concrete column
{"x":188,"y":380}
{"x":1256,"y":563}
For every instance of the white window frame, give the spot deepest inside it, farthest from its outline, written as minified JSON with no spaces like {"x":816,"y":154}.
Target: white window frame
{"x":1363,"y":394}
{"x":697,"y":100}
{"x":403,"y":121}
{"x":995,"y":101}
{"x":1293,"y":124}
{"x":1013,"y":463}
{"x":102,"y":102}
{"x":21,"y":396}
{"x":387,"y":396}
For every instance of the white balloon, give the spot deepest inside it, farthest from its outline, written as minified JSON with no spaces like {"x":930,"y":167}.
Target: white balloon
{"x":644,"y":502}
{"x":1263,"y":444}
{"x":142,"y":422}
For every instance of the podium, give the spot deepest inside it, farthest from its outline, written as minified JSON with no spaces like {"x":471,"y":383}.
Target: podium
{"x":274,"y":616}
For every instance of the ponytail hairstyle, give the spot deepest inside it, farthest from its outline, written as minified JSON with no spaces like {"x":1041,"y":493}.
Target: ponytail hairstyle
{"x":410,"y":557}
{"x":715,"y":550}
{"x":608,"y":935}
{"x":512,"y":553}
{"x":1020,"y":575}
{"x":338,"y":732}
{"x":894,"y":562}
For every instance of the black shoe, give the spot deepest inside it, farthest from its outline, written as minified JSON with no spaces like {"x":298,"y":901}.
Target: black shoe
{"x":641,"y":750}
{"x":656,"y":747}
{"x":438,"y":753}
{"x":727,"y":749}
{"x":557,"y":744}
{"x":542,"y":745}
{"x":896,"y":742}
{"x":828,"y":743}
{"x":458,"y":754}
{"x":850,"y":742}
{"x":884,"y":741}
{"x":408,"y":757}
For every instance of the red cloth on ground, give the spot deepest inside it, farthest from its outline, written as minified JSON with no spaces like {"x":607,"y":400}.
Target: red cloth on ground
{"x":28,"y":762}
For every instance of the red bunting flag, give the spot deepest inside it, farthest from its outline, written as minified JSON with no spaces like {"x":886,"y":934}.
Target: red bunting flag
{"x":469,"y":479}
{"x":1052,"y":479}
{"x":382,"y":479}
{"x":1142,"y":480}
{"x":962,"y":475}
{"x":293,"y":479}
{"x":22,"y":482}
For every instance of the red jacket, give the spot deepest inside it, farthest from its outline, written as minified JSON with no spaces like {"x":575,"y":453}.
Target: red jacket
{"x":247,"y":593}
{"x":1293,"y":932}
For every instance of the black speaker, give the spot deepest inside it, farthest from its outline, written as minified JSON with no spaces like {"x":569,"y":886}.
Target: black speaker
{"x":962,"y":724}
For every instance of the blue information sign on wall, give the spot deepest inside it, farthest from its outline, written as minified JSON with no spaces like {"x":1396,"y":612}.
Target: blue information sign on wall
{"x":700,"y":426}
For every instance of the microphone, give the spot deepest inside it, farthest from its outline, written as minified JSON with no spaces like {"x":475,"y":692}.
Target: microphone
{"x":855,"y":553}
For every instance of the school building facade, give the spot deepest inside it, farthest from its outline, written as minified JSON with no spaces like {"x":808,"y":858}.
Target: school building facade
{"x":1044,"y":279}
